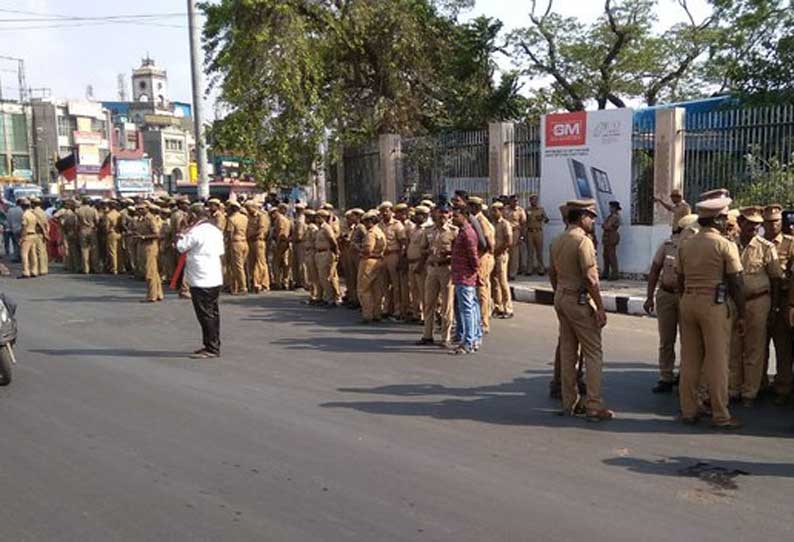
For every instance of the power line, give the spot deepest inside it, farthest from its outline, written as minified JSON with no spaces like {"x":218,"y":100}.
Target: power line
{"x":98,"y":18}
{"x":86,"y":24}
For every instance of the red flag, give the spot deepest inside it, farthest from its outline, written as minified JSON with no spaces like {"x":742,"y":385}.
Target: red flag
{"x":180,"y":266}
{"x":104,"y":171}
{"x":67,"y":167}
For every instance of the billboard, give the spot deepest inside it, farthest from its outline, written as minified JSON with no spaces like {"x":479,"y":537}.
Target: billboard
{"x":586,"y":155}
{"x":134,"y":169}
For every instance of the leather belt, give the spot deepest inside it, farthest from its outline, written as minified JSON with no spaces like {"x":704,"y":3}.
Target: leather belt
{"x":692,"y":290}
{"x":668,"y":290}
{"x":322,"y":249}
{"x":442,"y":263}
{"x":756,"y":295}
{"x":534,"y":230}
{"x":372,"y":257}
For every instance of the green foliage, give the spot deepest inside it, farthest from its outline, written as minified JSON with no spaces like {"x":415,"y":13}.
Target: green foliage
{"x":770,"y":180}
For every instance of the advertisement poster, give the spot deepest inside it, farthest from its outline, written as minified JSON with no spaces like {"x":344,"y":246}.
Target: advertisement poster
{"x":586,"y":155}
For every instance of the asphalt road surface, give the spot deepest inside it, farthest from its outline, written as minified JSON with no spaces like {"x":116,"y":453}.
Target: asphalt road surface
{"x":315,"y":428}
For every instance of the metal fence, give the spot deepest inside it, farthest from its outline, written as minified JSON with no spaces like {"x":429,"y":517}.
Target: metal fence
{"x":720,"y":146}
{"x":361,"y":171}
{"x":643,"y":142}
{"x":526,"y":142}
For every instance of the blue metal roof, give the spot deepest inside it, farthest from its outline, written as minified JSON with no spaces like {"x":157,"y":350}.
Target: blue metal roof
{"x":647,"y":116}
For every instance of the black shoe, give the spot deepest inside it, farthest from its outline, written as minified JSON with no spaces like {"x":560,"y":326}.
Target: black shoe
{"x":663,"y":387}
{"x":508,"y":316}
{"x":424,"y":342}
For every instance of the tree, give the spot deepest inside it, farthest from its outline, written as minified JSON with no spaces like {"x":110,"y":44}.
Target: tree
{"x":616,"y":58}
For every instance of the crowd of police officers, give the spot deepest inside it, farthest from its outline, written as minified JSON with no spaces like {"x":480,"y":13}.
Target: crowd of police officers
{"x":716,"y":283}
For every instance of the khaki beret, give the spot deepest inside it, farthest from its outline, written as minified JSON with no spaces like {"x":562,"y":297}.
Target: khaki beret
{"x":372,"y":214}
{"x":588,"y":205}
{"x":773,"y":212}
{"x":497,"y":205}
{"x":357,"y":211}
{"x":475,"y":200}
{"x":23,"y":201}
{"x":35,"y":199}
{"x":713,"y":207}
{"x":324,"y":213}
{"x":533,"y":195}
{"x":385,"y":205}
{"x":327,"y":206}
{"x":676,"y":192}
{"x":197,"y":207}
{"x":422,"y":210}
{"x":752,"y":213}
{"x":233,"y":203}
{"x":427,"y":203}
{"x":401,"y":207}
{"x":300,"y":206}
{"x":251,"y":203}
{"x":715,"y":194}
{"x":687,"y":221}
{"x":214,"y":201}
{"x":310,"y":212}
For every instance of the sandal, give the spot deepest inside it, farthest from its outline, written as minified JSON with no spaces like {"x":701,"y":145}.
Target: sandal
{"x":600,"y":415}
{"x":459,"y":351}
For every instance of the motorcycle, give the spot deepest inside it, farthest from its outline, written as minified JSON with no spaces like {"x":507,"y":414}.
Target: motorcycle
{"x":8,"y":338}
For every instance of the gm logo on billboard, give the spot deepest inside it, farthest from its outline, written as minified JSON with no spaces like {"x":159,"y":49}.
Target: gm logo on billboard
{"x":566,"y":129}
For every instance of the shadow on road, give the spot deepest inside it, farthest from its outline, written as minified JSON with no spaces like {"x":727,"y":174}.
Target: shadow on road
{"x":110,"y":352}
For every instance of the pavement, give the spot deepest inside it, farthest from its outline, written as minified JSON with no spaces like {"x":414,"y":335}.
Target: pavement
{"x":312,"y":427}
{"x":620,"y":296}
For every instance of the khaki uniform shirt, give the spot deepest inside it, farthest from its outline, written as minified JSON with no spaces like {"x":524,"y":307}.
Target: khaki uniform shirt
{"x":503,"y":236}
{"x":112,"y":221}
{"x":706,"y":257}
{"x":572,"y":256}
{"x":237,"y":227}
{"x":395,"y":234}
{"x":373,"y":243}
{"x":610,"y":227}
{"x":219,"y":219}
{"x":517,"y":218}
{"x":298,"y":229}
{"x":43,"y":222}
{"x":325,"y":238}
{"x":414,"y":251}
{"x":148,"y":226}
{"x":87,"y":219}
{"x":665,"y":258}
{"x":281,"y":228}
{"x":760,"y":263}
{"x":784,"y":244}
{"x":30,"y":223}
{"x":179,"y":220}
{"x":487,"y":230}
{"x":357,"y":237}
{"x":679,"y":211}
{"x":437,"y":243}
{"x":68,"y":222}
{"x":536,"y":218}
{"x":311,"y":238}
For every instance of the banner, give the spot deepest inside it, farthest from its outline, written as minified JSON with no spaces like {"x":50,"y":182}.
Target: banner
{"x":586,"y":155}
{"x":134,"y":169}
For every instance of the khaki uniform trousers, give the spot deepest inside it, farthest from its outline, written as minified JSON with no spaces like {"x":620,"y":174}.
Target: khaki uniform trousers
{"x":237,"y":259}
{"x":405,"y":289}
{"x":611,"y":269}
{"x":312,"y":278}
{"x":132,"y":256}
{"x":257,"y":265}
{"x":484,"y":289}
{"x":88,"y":252}
{"x":281,"y":270}
{"x":113,"y":246}
{"x":392,"y":280}
{"x":416,"y":283}
{"x":326,"y":262}
{"x":535,"y":252}
{"x":705,"y":342}
{"x":439,"y":294}
{"x":41,"y":253}
{"x":140,"y":257}
{"x":299,"y":265}
{"x":351,"y":276}
{"x":154,"y":283}
{"x":370,"y":286}
{"x":748,"y":352}
{"x":578,"y":328}
{"x":667,"y":322}
{"x":781,"y":335}
{"x":73,"y":253}
{"x":514,"y":265}
{"x":500,"y":286}
{"x":29,"y":255}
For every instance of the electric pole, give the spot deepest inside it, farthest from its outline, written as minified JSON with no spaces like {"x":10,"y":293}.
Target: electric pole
{"x":198,"y":110}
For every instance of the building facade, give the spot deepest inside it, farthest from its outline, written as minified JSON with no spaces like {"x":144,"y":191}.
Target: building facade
{"x":17,"y":163}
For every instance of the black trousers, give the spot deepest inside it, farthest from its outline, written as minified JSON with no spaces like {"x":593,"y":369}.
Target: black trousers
{"x":205,"y":303}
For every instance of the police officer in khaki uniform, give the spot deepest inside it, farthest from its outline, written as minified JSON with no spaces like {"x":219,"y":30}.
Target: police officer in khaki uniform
{"x":370,"y":273}
{"x":503,"y":305}
{"x":28,"y":240}
{"x":580,"y":311}
{"x":112,"y":224}
{"x":258,"y":230}
{"x":487,"y":240}
{"x":149,"y":239}
{"x":536,"y":219}
{"x":663,"y":272}
{"x":401,"y":214}
{"x":779,"y":329}
{"x":43,"y":235}
{"x":71,"y":246}
{"x":237,"y":234}
{"x":395,"y":248}
{"x":350,"y":244}
{"x":762,"y":276}
{"x":517,"y":218}
{"x":88,"y":220}
{"x":130,"y":227}
{"x":312,"y":278}
{"x":439,"y":290}
{"x":281,"y":229}
{"x":326,"y":257}
{"x":677,"y":206}
{"x":416,"y":271}
{"x":709,"y":271}
{"x":296,"y":238}
{"x":180,"y":222}
{"x":610,"y":239}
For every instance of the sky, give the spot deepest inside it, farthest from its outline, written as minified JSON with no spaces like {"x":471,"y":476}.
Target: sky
{"x":71,"y":56}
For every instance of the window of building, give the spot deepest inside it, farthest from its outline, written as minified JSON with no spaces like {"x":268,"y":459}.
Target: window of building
{"x":20,"y":162}
{"x":132,"y":142}
{"x":2,"y":134}
{"x":174,"y":145}
{"x":142,"y":85}
{"x":98,"y":126}
{"x":3,"y":166}
{"x":19,"y":133}
{"x":64,"y":125}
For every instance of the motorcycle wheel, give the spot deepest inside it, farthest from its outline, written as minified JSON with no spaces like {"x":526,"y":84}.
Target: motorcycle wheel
{"x":5,"y":365}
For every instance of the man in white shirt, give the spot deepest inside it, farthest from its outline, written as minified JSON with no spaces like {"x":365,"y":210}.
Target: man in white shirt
{"x":203,"y":245}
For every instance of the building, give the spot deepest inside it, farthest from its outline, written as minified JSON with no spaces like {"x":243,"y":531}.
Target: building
{"x":80,"y":127}
{"x":16,"y":143}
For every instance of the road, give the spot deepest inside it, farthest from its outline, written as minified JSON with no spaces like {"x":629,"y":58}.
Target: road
{"x":315,"y":428}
